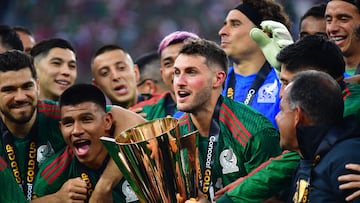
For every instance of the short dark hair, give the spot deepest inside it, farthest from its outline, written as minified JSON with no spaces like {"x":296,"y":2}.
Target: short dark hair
{"x":10,"y":39}
{"x":319,"y":95}
{"x":317,"y":11}
{"x":19,"y":28}
{"x":80,"y":93}
{"x":44,"y":46}
{"x":212,"y":52}
{"x":313,"y":52}
{"x":355,"y":3}
{"x":149,"y":67}
{"x":146,"y":59}
{"x":106,"y":48}
{"x":270,"y":10}
{"x":14,"y":60}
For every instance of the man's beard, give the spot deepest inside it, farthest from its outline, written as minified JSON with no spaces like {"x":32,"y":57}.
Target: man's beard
{"x":21,"y":120}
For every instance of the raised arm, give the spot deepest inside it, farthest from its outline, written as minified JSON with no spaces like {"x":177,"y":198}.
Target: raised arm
{"x":271,"y":39}
{"x":122,"y":120}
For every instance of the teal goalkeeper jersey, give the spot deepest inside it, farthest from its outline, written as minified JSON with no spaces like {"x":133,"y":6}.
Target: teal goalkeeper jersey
{"x":246,"y":140}
{"x":62,"y":166}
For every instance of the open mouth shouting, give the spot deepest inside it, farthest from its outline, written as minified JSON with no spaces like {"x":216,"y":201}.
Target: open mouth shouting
{"x":182,"y":95}
{"x":81,"y":147}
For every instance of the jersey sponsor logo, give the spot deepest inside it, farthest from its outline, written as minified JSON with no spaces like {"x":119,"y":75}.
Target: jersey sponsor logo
{"x":43,"y":152}
{"x":128,"y":192}
{"x":228,"y":161}
{"x":268,"y":92}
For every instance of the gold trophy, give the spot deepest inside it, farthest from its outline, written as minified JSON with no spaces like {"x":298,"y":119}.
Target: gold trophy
{"x":158,"y":164}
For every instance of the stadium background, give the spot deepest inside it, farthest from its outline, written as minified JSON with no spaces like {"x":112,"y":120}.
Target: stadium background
{"x":136,"y":25}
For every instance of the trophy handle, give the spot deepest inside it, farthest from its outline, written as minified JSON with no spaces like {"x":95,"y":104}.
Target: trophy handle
{"x":190,"y":164}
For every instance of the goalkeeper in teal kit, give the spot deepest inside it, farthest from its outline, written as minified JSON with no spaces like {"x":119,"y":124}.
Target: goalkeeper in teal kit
{"x":233,"y":138}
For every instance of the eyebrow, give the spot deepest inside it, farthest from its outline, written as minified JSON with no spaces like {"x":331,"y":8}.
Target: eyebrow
{"x":339,"y":15}
{"x":169,"y":58}
{"x":232,"y":21}
{"x":61,"y":59}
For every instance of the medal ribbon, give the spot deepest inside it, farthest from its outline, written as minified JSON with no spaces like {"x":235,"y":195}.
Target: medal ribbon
{"x":210,"y":152}
{"x":31,"y":163}
{"x":258,"y":81}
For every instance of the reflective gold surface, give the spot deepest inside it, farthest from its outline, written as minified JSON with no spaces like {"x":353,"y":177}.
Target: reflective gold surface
{"x":149,"y":159}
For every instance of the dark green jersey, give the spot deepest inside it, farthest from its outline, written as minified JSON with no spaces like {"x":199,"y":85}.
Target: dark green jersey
{"x":246,"y":140}
{"x":11,"y":192}
{"x":46,"y":135}
{"x":159,"y":106}
{"x":274,"y":177}
{"x":63,"y":166}
{"x":351,"y":96}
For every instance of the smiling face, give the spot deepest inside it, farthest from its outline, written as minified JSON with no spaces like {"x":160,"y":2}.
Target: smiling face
{"x":114,"y":73}
{"x":342,"y":20}
{"x":56,"y":72}
{"x":235,"y":34}
{"x":18,"y":95}
{"x":82,"y":125}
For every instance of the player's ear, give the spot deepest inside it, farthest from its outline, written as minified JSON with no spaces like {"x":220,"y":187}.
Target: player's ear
{"x":219,"y":78}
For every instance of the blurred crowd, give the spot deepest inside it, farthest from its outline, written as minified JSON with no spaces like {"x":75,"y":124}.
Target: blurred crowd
{"x":138,"y":26}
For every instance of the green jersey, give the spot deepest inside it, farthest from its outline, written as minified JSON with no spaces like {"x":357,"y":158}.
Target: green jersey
{"x":246,"y":140}
{"x":274,"y":176}
{"x":159,"y":106}
{"x":351,"y":96}
{"x":42,"y":141}
{"x":13,"y":192}
{"x":62,"y":166}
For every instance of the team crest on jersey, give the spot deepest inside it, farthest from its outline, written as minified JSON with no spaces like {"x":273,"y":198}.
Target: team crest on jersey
{"x":43,"y":152}
{"x":228,"y":161}
{"x":129,"y":193}
{"x":268,"y":92}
